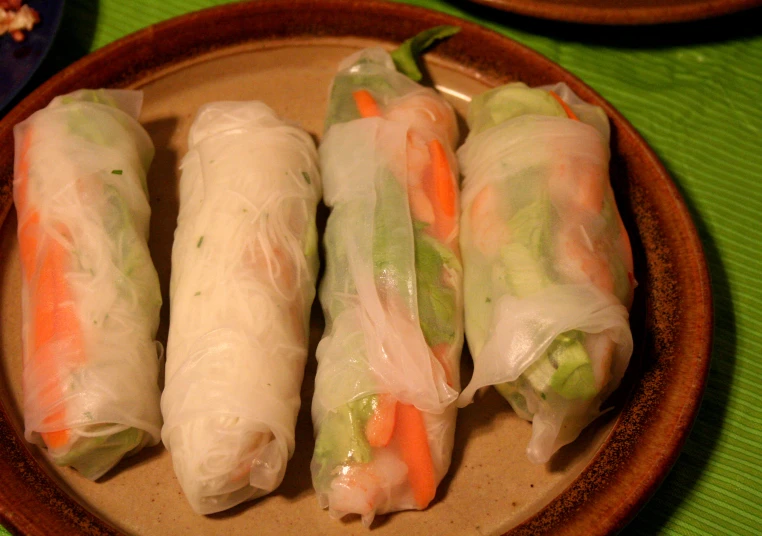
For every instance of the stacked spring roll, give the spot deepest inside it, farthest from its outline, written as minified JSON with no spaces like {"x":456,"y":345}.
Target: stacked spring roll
{"x":90,"y":293}
{"x":244,"y":264}
{"x":388,"y":365}
{"x":548,"y":264}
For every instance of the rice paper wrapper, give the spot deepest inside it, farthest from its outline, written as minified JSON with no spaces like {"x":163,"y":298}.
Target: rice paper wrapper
{"x":244,"y":263}
{"x":391,"y":292}
{"x":90,"y":293}
{"x":396,"y":355}
{"x":548,"y":265}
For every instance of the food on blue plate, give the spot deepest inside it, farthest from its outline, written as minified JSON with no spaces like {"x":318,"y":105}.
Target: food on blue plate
{"x":244,"y":264}
{"x":548,"y":271}
{"x":90,"y":293}
{"x":17,"y":18}
{"x":388,"y":364}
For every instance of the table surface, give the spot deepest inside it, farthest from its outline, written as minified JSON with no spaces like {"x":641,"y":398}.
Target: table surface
{"x":693,"y":91}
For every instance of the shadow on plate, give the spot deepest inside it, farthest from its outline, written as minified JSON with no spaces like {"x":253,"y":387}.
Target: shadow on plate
{"x":165,"y":202}
{"x":146,"y":455}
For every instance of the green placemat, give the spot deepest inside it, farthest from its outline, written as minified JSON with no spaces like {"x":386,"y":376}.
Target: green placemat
{"x":694,"y":93}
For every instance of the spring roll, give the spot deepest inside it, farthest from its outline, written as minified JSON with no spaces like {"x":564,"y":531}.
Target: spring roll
{"x":388,"y":364}
{"x":90,"y":292}
{"x":244,"y":263}
{"x":548,"y":264}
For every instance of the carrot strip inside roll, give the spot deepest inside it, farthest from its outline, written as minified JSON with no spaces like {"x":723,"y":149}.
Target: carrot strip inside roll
{"x":91,"y":295}
{"x":388,"y":363}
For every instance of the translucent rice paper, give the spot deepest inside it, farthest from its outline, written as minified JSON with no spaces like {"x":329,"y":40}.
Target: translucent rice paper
{"x":244,"y":263}
{"x":391,"y":292}
{"x":90,"y":293}
{"x":548,"y":265}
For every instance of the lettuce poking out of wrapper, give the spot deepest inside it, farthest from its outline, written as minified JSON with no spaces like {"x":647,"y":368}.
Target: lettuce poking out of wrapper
{"x":406,"y":56}
{"x":343,"y":449}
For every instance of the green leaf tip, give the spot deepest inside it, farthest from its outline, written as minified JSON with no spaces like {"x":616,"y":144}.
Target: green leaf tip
{"x":406,"y":56}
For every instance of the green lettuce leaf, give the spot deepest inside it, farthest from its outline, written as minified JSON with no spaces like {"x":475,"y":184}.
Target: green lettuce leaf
{"x":436,"y":301}
{"x":391,"y":241}
{"x":342,"y":439}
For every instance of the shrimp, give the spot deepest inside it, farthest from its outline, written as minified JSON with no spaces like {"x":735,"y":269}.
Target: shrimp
{"x":576,"y":184}
{"x":489,"y":229}
{"x":581,"y":258}
{"x":600,"y":348}
{"x":366,"y":489}
{"x":577,"y":189}
{"x":433,"y":200}
{"x":425,"y":112}
{"x":432,"y":188}
{"x":421,"y":206}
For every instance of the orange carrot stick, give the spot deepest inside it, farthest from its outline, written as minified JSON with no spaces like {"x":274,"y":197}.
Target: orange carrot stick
{"x":366,"y":104}
{"x":411,"y":433}
{"x":380,"y":426}
{"x":442,"y":176}
{"x":440,"y":189}
{"x":55,"y":322}
{"x":391,"y":417}
{"x":565,"y":106}
{"x":55,"y":329}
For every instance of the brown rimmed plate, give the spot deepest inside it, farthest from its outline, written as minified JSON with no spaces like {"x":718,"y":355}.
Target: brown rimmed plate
{"x":629,"y":12}
{"x":285,"y":52}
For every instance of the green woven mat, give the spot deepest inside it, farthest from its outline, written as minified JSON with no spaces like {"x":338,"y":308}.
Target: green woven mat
{"x":694,"y":94}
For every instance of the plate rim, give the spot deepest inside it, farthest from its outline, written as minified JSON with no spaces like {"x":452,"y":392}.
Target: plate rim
{"x":614,"y":15}
{"x":21,"y":465}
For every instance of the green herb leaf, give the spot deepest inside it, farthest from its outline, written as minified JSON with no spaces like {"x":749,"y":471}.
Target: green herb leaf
{"x":116,"y":171}
{"x":200,"y":241}
{"x":406,"y":56}
{"x":306,"y":177}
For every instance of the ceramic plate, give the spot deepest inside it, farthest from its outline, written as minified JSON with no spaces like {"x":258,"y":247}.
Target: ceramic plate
{"x":19,"y":61}
{"x":285,"y":53}
{"x":623,"y":11}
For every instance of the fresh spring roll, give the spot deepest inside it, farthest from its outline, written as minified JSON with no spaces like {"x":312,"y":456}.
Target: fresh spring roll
{"x":388,"y":365}
{"x":244,"y":264}
{"x":548,"y":264}
{"x":90,"y":293}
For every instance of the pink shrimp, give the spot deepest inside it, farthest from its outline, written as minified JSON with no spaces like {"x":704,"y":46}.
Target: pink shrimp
{"x":581,"y":258}
{"x":575,"y":184}
{"x":426,"y":113}
{"x":578,"y":188}
{"x":421,"y":206}
{"x":366,"y":488}
{"x":488,"y":226}
{"x":600,"y":348}
{"x":433,"y":198}
{"x":357,"y":490}
{"x":432,"y":187}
